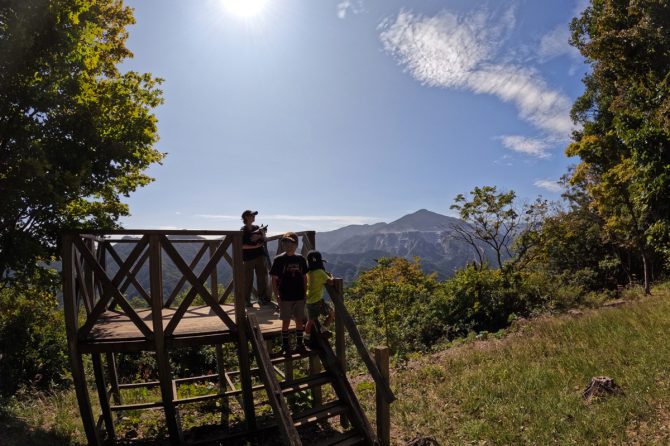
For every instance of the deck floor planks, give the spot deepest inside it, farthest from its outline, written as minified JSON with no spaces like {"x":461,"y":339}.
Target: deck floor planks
{"x":116,"y":327}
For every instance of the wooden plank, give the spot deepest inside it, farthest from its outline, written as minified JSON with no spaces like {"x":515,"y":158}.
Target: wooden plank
{"x":83,"y":289}
{"x":76,"y":364}
{"x":242,"y":342}
{"x":214,"y":278}
{"x":347,"y":320}
{"x":113,"y":378}
{"x":212,"y":396}
{"x":344,"y":391}
{"x":226,"y":293}
{"x":131,"y":274}
{"x":136,"y":406}
{"x":164,"y":373}
{"x":221,"y":372}
{"x":383,"y":411}
{"x":274,"y":392}
{"x":315,"y":369}
{"x":101,"y":386}
{"x":324,"y":412}
{"x":180,"y":284}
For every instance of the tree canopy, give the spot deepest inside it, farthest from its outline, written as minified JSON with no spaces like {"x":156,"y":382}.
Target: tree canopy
{"x":76,"y":133}
{"x":624,"y":143}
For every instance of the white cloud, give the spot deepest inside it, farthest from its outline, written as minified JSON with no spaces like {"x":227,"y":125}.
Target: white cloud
{"x":347,"y":6}
{"x":557,"y":43}
{"x":550,"y":185}
{"x":530,"y":146}
{"x":461,"y":52}
{"x":333,"y":219}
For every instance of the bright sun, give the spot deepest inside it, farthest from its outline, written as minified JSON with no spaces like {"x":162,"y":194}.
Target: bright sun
{"x":245,"y":8}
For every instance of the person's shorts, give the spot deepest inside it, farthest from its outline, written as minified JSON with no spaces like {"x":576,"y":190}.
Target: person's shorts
{"x":292,"y":309}
{"x":320,"y":308}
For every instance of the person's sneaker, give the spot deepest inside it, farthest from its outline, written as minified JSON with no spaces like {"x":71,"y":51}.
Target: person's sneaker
{"x":326,"y":334}
{"x":286,"y":349}
{"x":300,"y":349}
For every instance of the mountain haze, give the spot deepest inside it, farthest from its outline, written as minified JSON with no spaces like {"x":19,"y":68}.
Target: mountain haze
{"x":424,"y":234}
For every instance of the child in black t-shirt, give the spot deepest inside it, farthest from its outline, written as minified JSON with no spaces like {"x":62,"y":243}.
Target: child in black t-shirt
{"x":289,"y":283}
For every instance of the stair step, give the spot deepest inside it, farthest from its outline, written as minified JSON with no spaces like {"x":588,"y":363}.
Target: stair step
{"x":278,"y":358}
{"x":305,"y":383}
{"x":349,"y":438}
{"x":328,"y":410}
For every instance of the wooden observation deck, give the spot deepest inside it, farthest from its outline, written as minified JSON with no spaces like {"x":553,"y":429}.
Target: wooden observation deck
{"x":205,"y":306}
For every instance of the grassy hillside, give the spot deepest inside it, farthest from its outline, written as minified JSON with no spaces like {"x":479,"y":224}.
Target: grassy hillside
{"x":522,"y":389}
{"x":525,"y":389}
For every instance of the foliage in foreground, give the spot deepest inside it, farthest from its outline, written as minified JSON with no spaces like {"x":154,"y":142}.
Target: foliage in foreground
{"x":32,"y":340}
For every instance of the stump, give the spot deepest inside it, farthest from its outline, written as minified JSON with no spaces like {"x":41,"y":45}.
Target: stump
{"x":423,"y":441}
{"x":600,"y":386}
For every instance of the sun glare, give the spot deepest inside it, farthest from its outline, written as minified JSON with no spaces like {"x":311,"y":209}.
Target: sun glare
{"x":244,"y":8}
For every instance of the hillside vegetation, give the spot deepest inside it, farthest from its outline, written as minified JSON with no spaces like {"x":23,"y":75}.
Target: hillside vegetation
{"x":522,"y":387}
{"x":525,"y":388}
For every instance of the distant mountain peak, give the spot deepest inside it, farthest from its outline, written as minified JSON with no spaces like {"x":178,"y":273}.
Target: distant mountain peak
{"x":421,"y":220}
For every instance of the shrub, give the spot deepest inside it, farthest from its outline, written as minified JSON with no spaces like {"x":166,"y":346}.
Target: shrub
{"x":32,"y":340}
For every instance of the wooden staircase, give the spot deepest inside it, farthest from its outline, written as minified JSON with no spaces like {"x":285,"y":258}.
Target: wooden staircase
{"x":346,"y":405}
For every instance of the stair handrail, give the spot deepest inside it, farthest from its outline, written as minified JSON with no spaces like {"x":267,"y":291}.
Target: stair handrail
{"x":335,"y":292}
{"x":275,"y":395}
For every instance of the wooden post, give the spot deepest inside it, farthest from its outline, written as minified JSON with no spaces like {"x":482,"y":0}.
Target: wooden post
{"x":311,"y":236}
{"x":242,"y":343}
{"x":71,"y":328}
{"x":113,"y":378}
{"x":89,"y":279}
{"x":101,"y":385}
{"x":164,"y":374}
{"x":315,"y":368}
{"x":340,"y":343}
{"x":383,"y":408}
{"x":225,"y":408}
{"x":214,"y":278}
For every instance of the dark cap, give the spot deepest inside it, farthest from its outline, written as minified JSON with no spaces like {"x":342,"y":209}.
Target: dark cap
{"x":315,"y":261}
{"x":248,"y":212}
{"x":291,"y":237}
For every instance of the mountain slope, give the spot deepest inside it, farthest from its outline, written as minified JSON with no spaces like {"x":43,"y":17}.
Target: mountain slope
{"x":424,"y":234}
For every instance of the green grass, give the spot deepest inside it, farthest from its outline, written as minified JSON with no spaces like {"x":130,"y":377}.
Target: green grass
{"x":521,"y":389}
{"x":526,"y":388}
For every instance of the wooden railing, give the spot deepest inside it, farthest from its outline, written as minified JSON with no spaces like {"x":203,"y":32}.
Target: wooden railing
{"x":344,"y":321}
{"x":102,"y":278}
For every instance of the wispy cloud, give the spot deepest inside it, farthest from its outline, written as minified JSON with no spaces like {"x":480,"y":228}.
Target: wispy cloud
{"x":557,"y":43}
{"x":345,"y":7}
{"x":333,"y":219}
{"x":530,"y":146}
{"x":463,"y":52}
{"x":550,"y":185}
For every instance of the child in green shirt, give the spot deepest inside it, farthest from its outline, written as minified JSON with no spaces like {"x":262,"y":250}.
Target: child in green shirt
{"x":317,"y":278}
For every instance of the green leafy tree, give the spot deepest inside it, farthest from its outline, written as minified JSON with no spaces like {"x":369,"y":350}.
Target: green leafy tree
{"x":76,"y":134}
{"x":32,"y":337}
{"x":624,"y":142}
{"x":396,"y":303}
{"x":493,"y":220}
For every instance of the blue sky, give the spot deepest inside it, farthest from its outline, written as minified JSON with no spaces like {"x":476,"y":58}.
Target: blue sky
{"x":325,"y":113}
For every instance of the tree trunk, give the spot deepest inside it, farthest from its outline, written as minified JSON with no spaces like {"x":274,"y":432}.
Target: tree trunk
{"x":646,"y":265}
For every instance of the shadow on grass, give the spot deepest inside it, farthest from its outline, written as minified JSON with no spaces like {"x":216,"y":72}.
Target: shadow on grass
{"x":16,"y":432}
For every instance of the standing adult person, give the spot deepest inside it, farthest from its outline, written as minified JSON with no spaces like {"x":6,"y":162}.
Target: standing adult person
{"x":253,"y":256}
